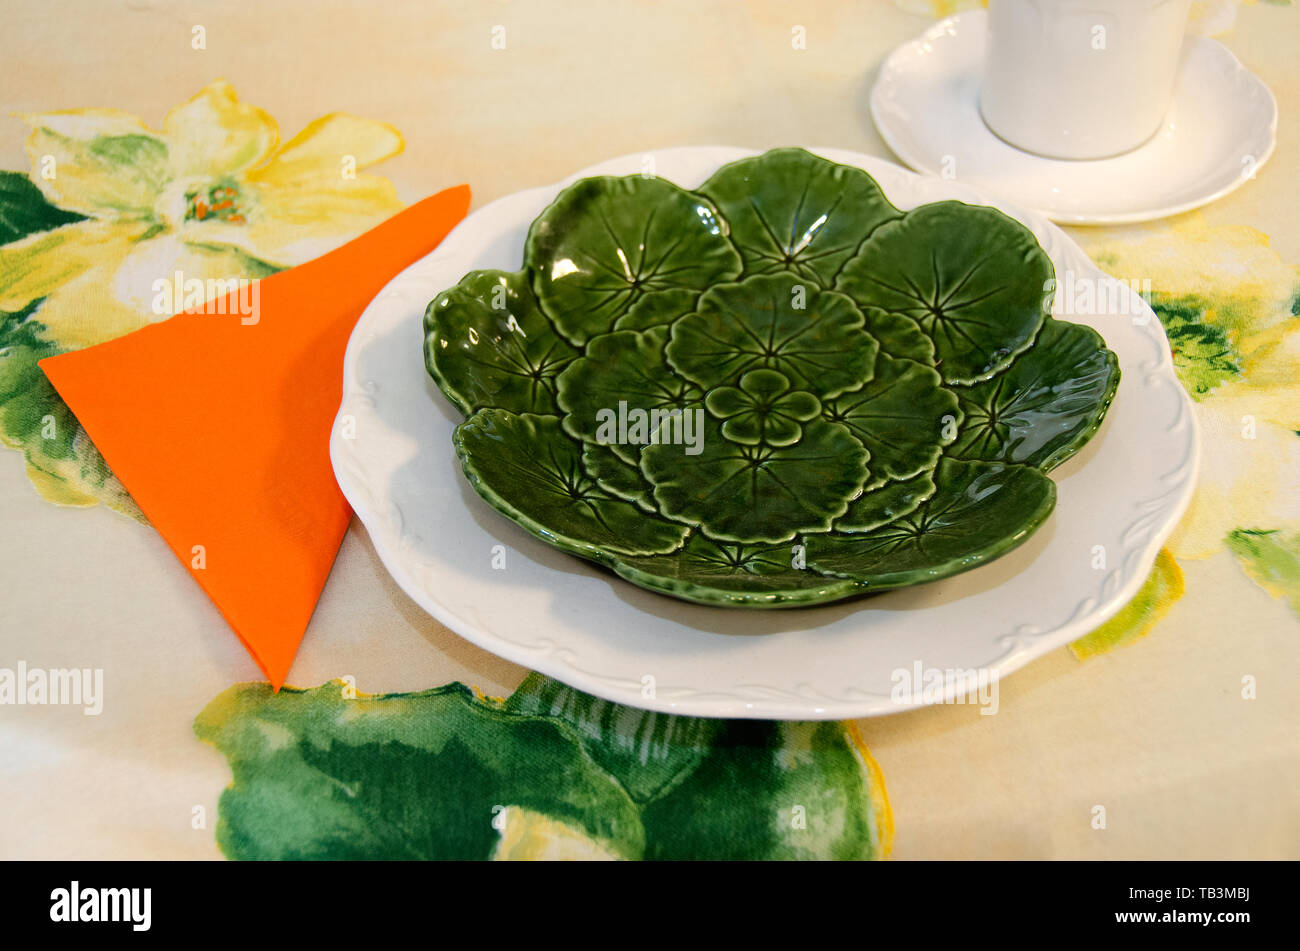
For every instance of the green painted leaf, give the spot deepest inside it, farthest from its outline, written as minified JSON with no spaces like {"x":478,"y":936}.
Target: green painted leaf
{"x":1271,"y":559}
{"x":404,"y":776}
{"x":971,"y":277}
{"x":900,"y":416}
{"x":329,"y":773}
{"x":60,"y":458}
{"x":882,"y":505}
{"x":1203,"y":352}
{"x":963,"y":525}
{"x":758,"y":493}
{"x":529,"y":470}
{"x":758,"y":576}
{"x":1045,"y":406}
{"x":776,"y":322}
{"x":607,"y":244}
{"x":730,"y":788}
{"x":24,"y":210}
{"x":26,"y":395}
{"x":792,"y":211}
{"x":621,"y":374}
{"x":771,"y":790}
{"x":486,"y":343}
{"x":647,"y":752}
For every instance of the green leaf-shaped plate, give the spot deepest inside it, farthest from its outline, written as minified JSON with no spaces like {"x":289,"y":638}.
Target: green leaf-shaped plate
{"x":778,"y":390}
{"x":791,"y":211}
{"x":608,"y":245}
{"x":487,"y":344}
{"x":972,"y":278}
{"x":962,"y":525}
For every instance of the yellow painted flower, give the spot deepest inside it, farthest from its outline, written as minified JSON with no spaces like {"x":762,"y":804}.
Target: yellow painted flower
{"x":212,"y":194}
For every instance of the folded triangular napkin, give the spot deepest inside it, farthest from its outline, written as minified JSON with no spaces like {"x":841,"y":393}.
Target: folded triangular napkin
{"x":218,"y":422}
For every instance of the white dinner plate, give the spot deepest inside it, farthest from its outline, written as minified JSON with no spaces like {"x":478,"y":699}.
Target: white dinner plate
{"x":497,"y":586}
{"x":1217,"y":135}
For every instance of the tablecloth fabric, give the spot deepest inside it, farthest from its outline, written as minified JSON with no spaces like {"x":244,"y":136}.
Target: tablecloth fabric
{"x":1169,"y":733}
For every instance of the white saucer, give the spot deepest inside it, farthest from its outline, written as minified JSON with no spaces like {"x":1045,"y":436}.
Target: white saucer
{"x":1220,"y":130}
{"x":551,"y":612}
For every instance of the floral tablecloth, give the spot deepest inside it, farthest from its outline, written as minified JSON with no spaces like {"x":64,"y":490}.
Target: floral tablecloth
{"x":234,"y":140}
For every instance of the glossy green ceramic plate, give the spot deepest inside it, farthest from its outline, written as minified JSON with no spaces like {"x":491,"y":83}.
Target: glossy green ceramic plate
{"x":776,"y":390}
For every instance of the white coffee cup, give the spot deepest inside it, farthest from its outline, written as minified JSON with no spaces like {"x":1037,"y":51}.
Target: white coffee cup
{"x":1081,"y":79}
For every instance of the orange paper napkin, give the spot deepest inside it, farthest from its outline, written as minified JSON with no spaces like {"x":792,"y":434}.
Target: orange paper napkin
{"x":218,"y":421}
